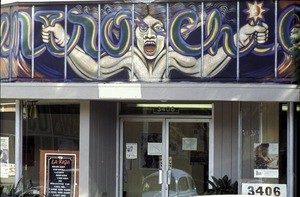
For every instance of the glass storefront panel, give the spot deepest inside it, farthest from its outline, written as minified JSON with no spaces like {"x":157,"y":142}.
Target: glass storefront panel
{"x":171,"y":160}
{"x":51,"y":148}
{"x":296,"y":130}
{"x":142,"y":145}
{"x":188,"y":157}
{"x":263,"y":148}
{"x":7,"y":144}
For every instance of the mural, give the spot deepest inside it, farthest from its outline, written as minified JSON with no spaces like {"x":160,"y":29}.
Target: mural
{"x":260,"y":15}
{"x":149,"y":42}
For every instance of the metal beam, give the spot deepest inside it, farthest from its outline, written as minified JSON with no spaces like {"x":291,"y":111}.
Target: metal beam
{"x":152,"y":91}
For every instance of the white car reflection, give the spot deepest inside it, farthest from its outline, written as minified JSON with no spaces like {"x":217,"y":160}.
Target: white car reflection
{"x":182,"y":185}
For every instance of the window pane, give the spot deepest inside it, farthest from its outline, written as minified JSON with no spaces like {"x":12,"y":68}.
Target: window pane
{"x":7,"y":143}
{"x":50,"y":148}
{"x":264,"y":147}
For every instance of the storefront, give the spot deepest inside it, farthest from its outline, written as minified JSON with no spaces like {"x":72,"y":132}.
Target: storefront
{"x":144,"y":99}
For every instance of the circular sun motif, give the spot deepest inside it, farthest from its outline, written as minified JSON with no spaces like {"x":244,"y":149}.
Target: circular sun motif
{"x":255,"y":11}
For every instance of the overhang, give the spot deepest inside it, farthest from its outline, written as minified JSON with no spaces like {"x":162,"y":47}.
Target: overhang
{"x":152,"y":91}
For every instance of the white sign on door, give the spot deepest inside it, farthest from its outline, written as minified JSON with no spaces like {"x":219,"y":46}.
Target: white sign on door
{"x":131,"y":150}
{"x":189,"y":144}
{"x":154,"y":148}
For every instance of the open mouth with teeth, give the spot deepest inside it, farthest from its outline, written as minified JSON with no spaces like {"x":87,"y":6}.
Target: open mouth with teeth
{"x":150,"y":47}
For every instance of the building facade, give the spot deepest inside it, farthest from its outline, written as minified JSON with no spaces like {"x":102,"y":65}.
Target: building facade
{"x":150,"y":98}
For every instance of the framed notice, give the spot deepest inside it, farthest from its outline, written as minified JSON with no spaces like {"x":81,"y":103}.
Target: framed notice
{"x":59,"y":173}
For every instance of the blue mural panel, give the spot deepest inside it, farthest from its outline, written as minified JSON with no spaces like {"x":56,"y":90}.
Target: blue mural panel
{"x":116,"y":42}
{"x":220,"y":32}
{"x":5,"y":43}
{"x":288,"y":19}
{"x":257,"y":40}
{"x":185,"y":47}
{"x":24,"y":36}
{"x":82,"y":35}
{"x":14,"y":49}
{"x":149,"y":61}
{"x":155,"y":42}
{"x":49,"y":43}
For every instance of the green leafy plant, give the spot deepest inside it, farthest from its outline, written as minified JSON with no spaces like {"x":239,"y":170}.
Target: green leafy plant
{"x":15,"y":190}
{"x":222,"y":186}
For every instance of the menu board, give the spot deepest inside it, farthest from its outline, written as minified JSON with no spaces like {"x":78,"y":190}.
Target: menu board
{"x":60,"y":174}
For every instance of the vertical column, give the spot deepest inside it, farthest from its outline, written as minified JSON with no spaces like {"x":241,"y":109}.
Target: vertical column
{"x":237,"y":43}
{"x":10,"y":65}
{"x":99,"y":41}
{"x":84,"y":143}
{"x":240,"y":135}
{"x":275,"y":42}
{"x":167,"y":42}
{"x":290,"y":149}
{"x":260,"y":123}
{"x":119,"y":161}
{"x":32,"y":42}
{"x":165,"y":157}
{"x":132,"y":42}
{"x":18,"y":141}
{"x":66,"y":44}
{"x":202,"y":40}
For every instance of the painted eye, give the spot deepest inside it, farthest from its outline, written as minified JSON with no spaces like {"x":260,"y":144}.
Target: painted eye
{"x":158,"y":28}
{"x":143,"y":28}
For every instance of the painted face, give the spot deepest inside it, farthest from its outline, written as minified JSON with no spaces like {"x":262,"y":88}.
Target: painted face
{"x":255,"y":10}
{"x":148,"y":40}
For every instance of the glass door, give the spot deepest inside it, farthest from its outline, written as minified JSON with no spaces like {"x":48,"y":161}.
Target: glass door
{"x":164,"y":157}
{"x":142,"y":151}
{"x":188,"y":152}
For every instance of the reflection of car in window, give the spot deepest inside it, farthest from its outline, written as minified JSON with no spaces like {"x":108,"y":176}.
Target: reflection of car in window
{"x":182,"y":185}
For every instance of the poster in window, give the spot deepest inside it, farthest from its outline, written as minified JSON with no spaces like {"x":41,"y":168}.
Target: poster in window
{"x":131,"y":151}
{"x":266,"y":160}
{"x":4,"y":157}
{"x":4,"y":150}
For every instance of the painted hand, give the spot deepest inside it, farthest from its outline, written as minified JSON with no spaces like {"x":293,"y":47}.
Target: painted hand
{"x":58,"y":33}
{"x":257,"y":32}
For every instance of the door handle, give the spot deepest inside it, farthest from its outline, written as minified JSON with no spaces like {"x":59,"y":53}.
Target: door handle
{"x":160,"y":175}
{"x":169,"y":176}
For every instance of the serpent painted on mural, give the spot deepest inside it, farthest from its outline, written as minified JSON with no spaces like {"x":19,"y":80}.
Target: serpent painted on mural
{"x":200,"y":43}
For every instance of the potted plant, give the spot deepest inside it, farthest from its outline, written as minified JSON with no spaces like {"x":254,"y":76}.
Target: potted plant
{"x":222,"y":186}
{"x":16,"y":190}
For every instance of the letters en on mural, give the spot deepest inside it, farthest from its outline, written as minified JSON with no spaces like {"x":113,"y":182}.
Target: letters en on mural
{"x":155,"y":42}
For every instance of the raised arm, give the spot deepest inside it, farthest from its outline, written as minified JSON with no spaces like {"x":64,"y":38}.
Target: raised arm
{"x":83,"y":64}
{"x":213,"y":64}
